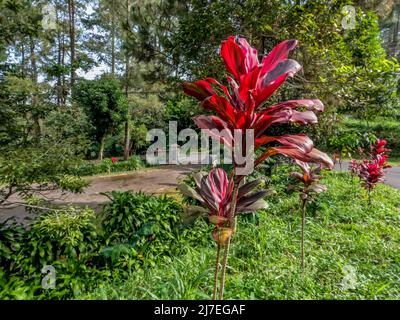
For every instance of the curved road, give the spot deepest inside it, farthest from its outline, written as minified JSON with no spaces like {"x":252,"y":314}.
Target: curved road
{"x":162,"y":179}
{"x":158,"y":180}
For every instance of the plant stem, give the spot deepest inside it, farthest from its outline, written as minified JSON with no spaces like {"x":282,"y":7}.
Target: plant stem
{"x":224,"y":263}
{"x":216,"y":272}
{"x":303,"y":224}
{"x":369,"y":197}
{"x":232,"y":222}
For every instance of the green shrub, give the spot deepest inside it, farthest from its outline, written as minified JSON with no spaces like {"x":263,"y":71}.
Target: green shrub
{"x":140,"y":219}
{"x":64,"y":238}
{"x":11,"y":238}
{"x":68,"y":231}
{"x":385,"y":128}
{"x":90,"y":168}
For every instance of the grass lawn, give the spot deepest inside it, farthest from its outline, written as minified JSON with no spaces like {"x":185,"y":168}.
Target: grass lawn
{"x":352,"y":252}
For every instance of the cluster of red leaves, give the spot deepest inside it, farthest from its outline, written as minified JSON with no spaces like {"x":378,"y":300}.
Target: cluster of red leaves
{"x":371,"y":171}
{"x":309,"y":178}
{"x":241,"y":106}
{"x":114,"y":159}
{"x":214,"y":192}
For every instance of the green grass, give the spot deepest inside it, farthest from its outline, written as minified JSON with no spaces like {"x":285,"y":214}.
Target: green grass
{"x":341,"y":232}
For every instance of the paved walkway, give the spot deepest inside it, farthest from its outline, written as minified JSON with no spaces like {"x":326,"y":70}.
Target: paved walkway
{"x":158,"y":180}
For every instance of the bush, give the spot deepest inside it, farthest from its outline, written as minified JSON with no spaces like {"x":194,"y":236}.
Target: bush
{"x":149,"y":224}
{"x":63,"y":238}
{"x":387,"y":128}
{"x":62,"y":234}
{"x":89,"y":168}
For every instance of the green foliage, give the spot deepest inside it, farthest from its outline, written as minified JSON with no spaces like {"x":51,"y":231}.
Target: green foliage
{"x":169,"y":262}
{"x":264,"y":262}
{"x":181,"y":110}
{"x":64,"y":238}
{"x":62,"y":234}
{"x":131,"y":217}
{"x":386,"y":128}
{"x":346,"y":69}
{"x":44,"y":166}
{"x":90,"y":168}
{"x":103,"y":102}
{"x":350,"y":143}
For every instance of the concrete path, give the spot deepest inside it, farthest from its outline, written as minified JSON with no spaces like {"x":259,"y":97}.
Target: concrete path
{"x":162,"y":179}
{"x":159,"y":180}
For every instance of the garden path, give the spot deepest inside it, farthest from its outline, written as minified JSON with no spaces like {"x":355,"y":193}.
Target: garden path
{"x":158,"y":180}
{"x":163,"y":179}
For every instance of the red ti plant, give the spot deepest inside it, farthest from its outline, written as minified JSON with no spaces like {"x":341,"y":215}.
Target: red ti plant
{"x":309,"y":178}
{"x":214,"y":191}
{"x":371,"y":171}
{"x":114,"y":159}
{"x":240,"y":106}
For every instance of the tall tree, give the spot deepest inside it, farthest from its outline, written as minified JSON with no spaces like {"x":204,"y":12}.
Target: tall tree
{"x":71,"y":21}
{"x":105,"y":105}
{"x":127,"y":69}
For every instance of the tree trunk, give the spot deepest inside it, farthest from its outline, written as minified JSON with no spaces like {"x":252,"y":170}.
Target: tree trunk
{"x":395,"y":34}
{"x":127,"y":140}
{"x":34,"y":77}
{"x":126,"y":133}
{"x":101,"y":151}
{"x":71,"y":12}
{"x":113,"y":38}
{"x":59,"y":49}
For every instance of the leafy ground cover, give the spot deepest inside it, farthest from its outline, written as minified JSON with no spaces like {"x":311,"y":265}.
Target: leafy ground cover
{"x":112,"y":165}
{"x":137,"y":248}
{"x":352,"y":252}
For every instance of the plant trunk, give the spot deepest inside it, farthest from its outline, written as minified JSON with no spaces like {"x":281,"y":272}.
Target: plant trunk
{"x":303,"y":225}
{"x":34,"y":77}
{"x":101,"y":151}
{"x":113,"y":38}
{"x":71,"y":12}
{"x":216,"y":272}
{"x":232,"y":222}
{"x":126,"y":133}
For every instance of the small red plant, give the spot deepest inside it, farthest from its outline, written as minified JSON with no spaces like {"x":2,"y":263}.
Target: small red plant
{"x":114,"y":159}
{"x":371,"y":172}
{"x":310,"y":186}
{"x":215,"y":192}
